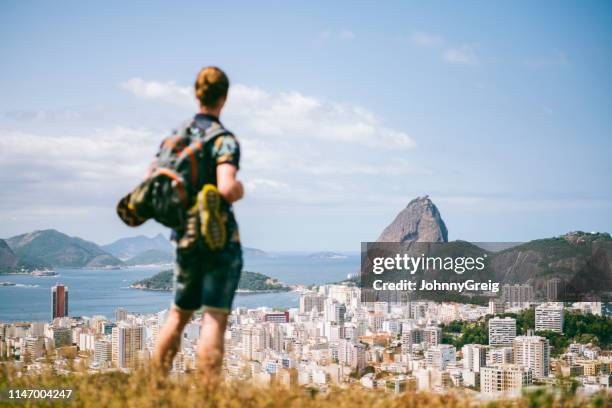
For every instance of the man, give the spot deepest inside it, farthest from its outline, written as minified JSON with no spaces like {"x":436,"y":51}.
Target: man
{"x":206,"y":277}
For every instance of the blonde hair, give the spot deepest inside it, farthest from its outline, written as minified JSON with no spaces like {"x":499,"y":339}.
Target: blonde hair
{"x":211,"y":85}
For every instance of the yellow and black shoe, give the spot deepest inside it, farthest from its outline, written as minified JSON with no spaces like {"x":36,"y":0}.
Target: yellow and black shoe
{"x":212,"y":226}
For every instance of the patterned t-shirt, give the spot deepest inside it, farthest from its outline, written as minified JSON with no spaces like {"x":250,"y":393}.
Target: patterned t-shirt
{"x":221,"y":150}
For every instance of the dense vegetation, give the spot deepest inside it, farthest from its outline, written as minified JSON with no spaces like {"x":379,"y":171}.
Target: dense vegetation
{"x":577,"y":327}
{"x":577,"y":245}
{"x":251,"y":281}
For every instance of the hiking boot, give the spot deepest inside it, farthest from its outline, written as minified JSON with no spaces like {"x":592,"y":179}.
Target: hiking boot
{"x":212,"y":226}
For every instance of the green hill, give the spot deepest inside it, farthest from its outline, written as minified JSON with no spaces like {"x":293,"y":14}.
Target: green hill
{"x":51,"y":248}
{"x":249,"y":281}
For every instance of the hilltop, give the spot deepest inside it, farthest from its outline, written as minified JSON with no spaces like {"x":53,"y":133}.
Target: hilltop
{"x":126,"y":248}
{"x":420,"y":221}
{"x":51,"y":248}
{"x":143,"y":388}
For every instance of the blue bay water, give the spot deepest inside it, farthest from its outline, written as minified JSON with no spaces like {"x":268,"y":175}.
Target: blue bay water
{"x":100,"y":292}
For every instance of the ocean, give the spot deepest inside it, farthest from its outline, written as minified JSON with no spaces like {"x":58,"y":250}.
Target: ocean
{"x":101,"y":292}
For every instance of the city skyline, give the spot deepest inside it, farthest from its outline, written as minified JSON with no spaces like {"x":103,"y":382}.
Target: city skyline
{"x":333,"y":338}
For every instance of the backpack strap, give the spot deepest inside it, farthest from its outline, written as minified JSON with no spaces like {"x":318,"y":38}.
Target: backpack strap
{"x":210,"y":133}
{"x":199,"y":137}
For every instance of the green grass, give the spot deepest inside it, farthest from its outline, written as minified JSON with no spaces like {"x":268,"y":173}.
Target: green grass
{"x":146,"y":389}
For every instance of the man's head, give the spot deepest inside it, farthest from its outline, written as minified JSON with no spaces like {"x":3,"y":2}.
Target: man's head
{"x":211,"y":87}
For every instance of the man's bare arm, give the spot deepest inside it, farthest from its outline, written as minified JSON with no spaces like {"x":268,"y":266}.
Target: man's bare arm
{"x":229,"y":188}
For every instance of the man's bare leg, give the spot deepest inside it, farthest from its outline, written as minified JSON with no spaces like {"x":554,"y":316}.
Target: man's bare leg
{"x":169,"y":339}
{"x":210,"y":347}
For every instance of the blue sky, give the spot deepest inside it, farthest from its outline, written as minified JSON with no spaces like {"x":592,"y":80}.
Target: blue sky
{"x":502,"y":113}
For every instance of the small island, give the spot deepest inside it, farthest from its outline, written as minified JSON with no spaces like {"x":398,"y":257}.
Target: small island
{"x":250,"y":282}
{"x":327,"y":255}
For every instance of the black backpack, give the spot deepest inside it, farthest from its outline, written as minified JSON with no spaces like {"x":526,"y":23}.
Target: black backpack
{"x":171,"y":188}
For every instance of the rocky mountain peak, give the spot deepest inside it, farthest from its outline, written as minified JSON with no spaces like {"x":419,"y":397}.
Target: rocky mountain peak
{"x":420,"y":221}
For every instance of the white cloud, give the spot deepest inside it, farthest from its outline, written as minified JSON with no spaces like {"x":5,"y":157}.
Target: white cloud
{"x":463,"y":55}
{"x":166,"y":91}
{"x":42,"y":171}
{"x":291,"y":141}
{"x":296,"y":149}
{"x":290,"y":115}
{"x":422,"y":39}
{"x":263,"y":184}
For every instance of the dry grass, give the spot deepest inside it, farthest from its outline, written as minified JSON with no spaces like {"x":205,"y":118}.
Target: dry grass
{"x":146,"y":389}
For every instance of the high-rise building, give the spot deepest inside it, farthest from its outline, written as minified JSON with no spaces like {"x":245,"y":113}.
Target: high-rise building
{"x":411,"y":335}
{"x":432,"y":335}
{"x":549,"y":316}
{"x":120,"y":314}
{"x":62,"y":336}
{"x":310,"y":301}
{"x":504,"y":378}
{"x":103,"y":351}
{"x":555,"y":290}
{"x":351,"y":354}
{"x":532,"y":352}
{"x":496,"y":306}
{"x":246,"y":335}
{"x":334,"y":311}
{"x":502,"y":331}
{"x":474,"y":356}
{"x":35,"y":347}
{"x":59,"y":301}
{"x":127,"y":340}
{"x":518,"y":295}
{"x":500,"y":355}
{"x":253,"y":340}
{"x":441,"y":356}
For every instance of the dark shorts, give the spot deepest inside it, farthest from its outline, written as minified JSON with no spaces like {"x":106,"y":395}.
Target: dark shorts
{"x":207,"y":279}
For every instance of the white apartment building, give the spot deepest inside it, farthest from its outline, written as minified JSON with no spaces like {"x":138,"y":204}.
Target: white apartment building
{"x":505,"y":378}
{"x":474,"y":356}
{"x":432,"y":335}
{"x":533,"y":352}
{"x":441,"y":356}
{"x":103,"y":351}
{"x":127,"y":340}
{"x":549,"y":316}
{"x":502,"y":331}
{"x":500,"y":355}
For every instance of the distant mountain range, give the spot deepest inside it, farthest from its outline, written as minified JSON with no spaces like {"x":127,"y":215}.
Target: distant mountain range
{"x":126,"y":248}
{"x":47,"y":249}
{"x":137,"y":249}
